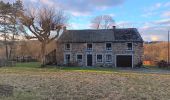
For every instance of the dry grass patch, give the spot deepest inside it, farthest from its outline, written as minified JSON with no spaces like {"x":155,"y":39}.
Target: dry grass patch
{"x":77,"y":85}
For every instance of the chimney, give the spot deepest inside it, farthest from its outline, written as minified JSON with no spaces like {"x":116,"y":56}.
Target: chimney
{"x":64,"y":28}
{"x":114,"y":27}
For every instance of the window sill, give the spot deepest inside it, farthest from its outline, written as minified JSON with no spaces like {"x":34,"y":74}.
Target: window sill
{"x":89,"y":50}
{"x":67,"y":50}
{"x":108,"y":50}
{"x":109,"y":62}
{"x":99,"y":62}
{"x":129,"y":50}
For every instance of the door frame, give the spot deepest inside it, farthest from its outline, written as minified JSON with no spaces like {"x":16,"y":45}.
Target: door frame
{"x":65,"y":57}
{"x":87,"y":59}
{"x":124,"y":55}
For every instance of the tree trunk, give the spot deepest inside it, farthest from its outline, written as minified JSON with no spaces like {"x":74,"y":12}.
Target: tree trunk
{"x":43,"y":53}
{"x":6,"y":47}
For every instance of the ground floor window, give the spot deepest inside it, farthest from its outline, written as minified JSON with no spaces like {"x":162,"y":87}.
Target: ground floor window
{"x":108,"y":58}
{"x":99,"y":58}
{"x":79,"y":58}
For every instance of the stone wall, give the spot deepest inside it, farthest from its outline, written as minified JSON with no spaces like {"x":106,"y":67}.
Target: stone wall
{"x":100,"y":48}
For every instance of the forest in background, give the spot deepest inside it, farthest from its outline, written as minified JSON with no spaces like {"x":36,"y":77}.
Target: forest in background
{"x":25,"y":48}
{"x":155,"y":51}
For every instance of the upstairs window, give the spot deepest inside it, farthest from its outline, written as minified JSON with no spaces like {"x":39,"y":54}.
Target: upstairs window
{"x":89,"y":46}
{"x":129,"y":46}
{"x":99,"y":58}
{"x":108,"y":46}
{"x":67,"y":46}
{"x":79,"y":58}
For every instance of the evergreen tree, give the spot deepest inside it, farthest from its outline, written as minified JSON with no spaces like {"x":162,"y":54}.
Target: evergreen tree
{"x":8,"y":14}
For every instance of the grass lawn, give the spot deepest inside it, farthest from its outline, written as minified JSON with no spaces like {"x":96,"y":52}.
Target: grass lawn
{"x":65,"y":83}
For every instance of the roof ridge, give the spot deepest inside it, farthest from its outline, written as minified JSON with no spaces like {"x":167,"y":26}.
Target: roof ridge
{"x":98,"y":29}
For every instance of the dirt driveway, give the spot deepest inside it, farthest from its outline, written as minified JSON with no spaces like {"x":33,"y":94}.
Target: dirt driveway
{"x":144,"y":70}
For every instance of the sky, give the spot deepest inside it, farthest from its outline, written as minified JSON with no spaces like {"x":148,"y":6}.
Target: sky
{"x":151,"y":17}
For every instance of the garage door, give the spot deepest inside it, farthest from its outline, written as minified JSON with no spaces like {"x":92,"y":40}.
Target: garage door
{"x":124,"y":61}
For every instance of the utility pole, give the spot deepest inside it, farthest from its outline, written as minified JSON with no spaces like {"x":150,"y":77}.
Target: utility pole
{"x":168,"y":47}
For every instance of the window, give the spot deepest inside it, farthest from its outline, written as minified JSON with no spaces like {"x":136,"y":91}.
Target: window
{"x":79,"y":58}
{"x":67,"y":58}
{"x":99,"y":58}
{"x":129,"y":45}
{"x":108,"y":58}
{"x":67,"y":46}
{"x":89,"y":46}
{"x":108,"y":46}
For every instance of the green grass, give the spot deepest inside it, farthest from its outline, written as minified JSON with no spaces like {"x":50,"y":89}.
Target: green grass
{"x":28,"y":65}
{"x":35,"y":67}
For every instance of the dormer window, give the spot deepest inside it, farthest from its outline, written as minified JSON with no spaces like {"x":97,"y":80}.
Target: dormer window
{"x":108,"y":46}
{"x":129,"y":46}
{"x":89,"y":46}
{"x":67,"y":46}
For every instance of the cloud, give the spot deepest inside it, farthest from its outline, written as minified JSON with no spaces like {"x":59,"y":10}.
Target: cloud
{"x":153,"y":7}
{"x":78,"y":25}
{"x":80,"y":7}
{"x":155,"y":30}
{"x":166,"y":14}
{"x":156,"y":10}
{"x":123,"y":24}
{"x":48,"y":2}
{"x":74,"y":13}
{"x":167,"y":4}
{"x":162,"y":22}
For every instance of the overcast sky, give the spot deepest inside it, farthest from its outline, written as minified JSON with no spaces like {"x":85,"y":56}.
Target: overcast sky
{"x":151,"y":17}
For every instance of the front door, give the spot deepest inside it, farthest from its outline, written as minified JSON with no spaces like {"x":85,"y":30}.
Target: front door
{"x":89,"y":60}
{"x":67,"y":58}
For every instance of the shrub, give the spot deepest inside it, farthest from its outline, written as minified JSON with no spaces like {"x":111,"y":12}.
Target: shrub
{"x":139,"y":64}
{"x":162,"y":64}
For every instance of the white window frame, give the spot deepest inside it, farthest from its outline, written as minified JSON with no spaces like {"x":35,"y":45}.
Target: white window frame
{"x":66,"y":46}
{"x":96,"y":58}
{"x":77,"y":58}
{"x":106,"y":46}
{"x":87,"y":47}
{"x":127,"y":46}
{"x":111,"y":58}
{"x":65,"y":57}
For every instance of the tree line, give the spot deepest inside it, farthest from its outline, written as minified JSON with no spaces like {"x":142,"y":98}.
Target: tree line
{"x":156,"y":51}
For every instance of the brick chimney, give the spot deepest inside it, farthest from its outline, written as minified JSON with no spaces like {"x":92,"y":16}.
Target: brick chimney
{"x":64,"y":28}
{"x":114,"y":27}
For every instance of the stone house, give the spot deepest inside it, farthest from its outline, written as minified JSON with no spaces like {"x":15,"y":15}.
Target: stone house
{"x":103,"y":47}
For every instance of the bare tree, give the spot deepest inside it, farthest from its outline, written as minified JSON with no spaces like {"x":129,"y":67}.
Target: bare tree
{"x":102,"y":22}
{"x":45,"y":25}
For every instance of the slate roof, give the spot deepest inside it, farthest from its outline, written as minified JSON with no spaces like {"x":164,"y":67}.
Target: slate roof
{"x":102,"y":35}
